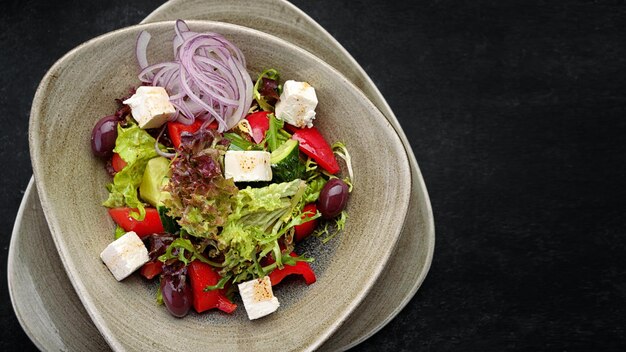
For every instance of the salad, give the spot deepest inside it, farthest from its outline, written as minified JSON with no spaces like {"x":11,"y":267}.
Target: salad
{"x":217,"y":178}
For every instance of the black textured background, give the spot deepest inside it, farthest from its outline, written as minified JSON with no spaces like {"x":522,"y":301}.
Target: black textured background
{"x":516,"y":111}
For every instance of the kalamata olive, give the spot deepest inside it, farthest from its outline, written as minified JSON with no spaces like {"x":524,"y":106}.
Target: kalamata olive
{"x":103,"y":136}
{"x":333,"y":198}
{"x":177,"y":295}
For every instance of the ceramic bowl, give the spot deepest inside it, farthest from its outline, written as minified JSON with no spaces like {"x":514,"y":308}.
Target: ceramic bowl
{"x":416,"y":245}
{"x":81,"y":87}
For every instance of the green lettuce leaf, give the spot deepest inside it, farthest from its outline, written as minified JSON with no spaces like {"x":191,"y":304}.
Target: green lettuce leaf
{"x":313,"y":189}
{"x":182,"y":249}
{"x":136,"y":147}
{"x":252,"y":201}
{"x":253,"y":228}
{"x":327,"y":231}
{"x":133,"y":143}
{"x":119,"y":232}
{"x":275,"y":135}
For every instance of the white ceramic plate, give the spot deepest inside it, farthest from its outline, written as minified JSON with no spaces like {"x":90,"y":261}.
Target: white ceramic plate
{"x":415,"y":249}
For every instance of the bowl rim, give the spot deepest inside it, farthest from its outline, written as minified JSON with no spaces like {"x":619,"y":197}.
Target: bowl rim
{"x":79,"y":285}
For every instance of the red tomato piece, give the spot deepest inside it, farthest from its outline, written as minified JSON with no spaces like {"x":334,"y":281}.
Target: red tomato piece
{"x":149,"y":225}
{"x":301,"y":268}
{"x":313,"y":144}
{"x":151,"y":269}
{"x":302,"y":231}
{"x":260,"y":123}
{"x":201,"y":276}
{"x":117,"y":162}
{"x":174,"y":129}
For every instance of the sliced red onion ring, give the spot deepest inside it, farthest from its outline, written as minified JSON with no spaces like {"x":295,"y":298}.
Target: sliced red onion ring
{"x":158,"y":150}
{"x":207,"y":79}
{"x":141,"y":47}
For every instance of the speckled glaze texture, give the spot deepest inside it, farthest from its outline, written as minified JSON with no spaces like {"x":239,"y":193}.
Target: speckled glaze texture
{"x":37,"y":282}
{"x":82,"y":86}
{"x":410,"y":263}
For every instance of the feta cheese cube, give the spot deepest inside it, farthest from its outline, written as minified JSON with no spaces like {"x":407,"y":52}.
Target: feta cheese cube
{"x":125,"y":255}
{"x":297,"y":103}
{"x":258,"y":298}
{"x":247,"y":166}
{"x":150,"y":106}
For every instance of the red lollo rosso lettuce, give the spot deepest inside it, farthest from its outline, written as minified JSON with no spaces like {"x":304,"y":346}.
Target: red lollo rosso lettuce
{"x":201,"y":197}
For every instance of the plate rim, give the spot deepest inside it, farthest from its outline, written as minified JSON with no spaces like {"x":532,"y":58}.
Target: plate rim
{"x":11,"y":261}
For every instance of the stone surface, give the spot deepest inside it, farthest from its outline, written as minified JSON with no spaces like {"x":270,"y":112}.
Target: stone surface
{"x":515,"y":111}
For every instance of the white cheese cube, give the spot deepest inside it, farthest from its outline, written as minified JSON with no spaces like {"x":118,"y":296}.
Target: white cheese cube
{"x":247,"y":166}
{"x":297,"y":103}
{"x":258,"y":298}
{"x":125,"y":255}
{"x":150,"y":106}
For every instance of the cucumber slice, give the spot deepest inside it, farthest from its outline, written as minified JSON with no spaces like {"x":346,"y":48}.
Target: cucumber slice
{"x":286,"y":164}
{"x":154,"y":178}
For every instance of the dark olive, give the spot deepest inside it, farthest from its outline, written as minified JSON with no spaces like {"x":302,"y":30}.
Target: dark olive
{"x":333,"y":198}
{"x":103,"y":136}
{"x":176,"y":294}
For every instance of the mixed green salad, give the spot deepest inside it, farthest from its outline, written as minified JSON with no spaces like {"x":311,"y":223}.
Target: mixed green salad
{"x":217,"y":177}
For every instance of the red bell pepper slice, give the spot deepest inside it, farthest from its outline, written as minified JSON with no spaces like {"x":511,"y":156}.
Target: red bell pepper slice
{"x":260,"y":123}
{"x":303,"y":231}
{"x":313,"y":144}
{"x":117,"y":162}
{"x":290,"y":128}
{"x":149,"y":225}
{"x":201,"y":276}
{"x":174,"y":129}
{"x":301,"y":268}
{"x":151,"y":269}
